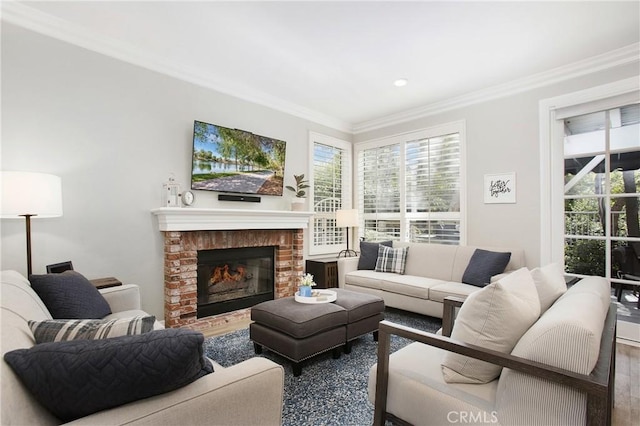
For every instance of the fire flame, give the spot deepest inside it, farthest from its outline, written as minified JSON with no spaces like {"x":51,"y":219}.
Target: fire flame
{"x":221,"y":273}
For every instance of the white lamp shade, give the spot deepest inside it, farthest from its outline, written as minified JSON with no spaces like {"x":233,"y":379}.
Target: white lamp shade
{"x":346,"y":218}
{"x":29,"y":193}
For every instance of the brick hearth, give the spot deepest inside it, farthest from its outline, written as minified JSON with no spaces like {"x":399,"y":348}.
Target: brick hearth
{"x":180,"y":269}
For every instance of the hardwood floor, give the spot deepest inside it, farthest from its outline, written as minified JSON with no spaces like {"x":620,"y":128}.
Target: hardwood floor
{"x":626,"y":411}
{"x":627,"y":393}
{"x":229,"y":327}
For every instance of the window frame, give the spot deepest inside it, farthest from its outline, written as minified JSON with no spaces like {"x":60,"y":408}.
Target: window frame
{"x":347,"y":183}
{"x":552,"y":155}
{"x":552,"y":168}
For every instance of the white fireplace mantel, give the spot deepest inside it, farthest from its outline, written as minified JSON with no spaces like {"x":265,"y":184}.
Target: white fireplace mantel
{"x":198,"y":219}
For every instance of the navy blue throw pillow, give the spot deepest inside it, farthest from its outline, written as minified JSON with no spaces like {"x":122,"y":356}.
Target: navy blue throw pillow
{"x":369,"y":254}
{"x":483,"y":265}
{"x":76,"y":378}
{"x":70,"y":295}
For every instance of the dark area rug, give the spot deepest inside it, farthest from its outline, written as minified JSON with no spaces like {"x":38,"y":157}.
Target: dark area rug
{"x":329,"y":391}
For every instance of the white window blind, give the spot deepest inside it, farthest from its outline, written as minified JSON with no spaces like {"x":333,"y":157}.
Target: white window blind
{"x":379,"y":178}
{"x":331,"y":181}
{"x":409,"y":186}
{"x":433,"y":189}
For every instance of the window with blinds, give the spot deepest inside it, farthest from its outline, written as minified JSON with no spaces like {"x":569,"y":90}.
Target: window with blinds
{"x":330,"y":182}
{"x":379,"y":192}
{"x":409,"y":187}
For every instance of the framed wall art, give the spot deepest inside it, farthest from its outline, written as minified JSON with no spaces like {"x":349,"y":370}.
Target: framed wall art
{"x":500,"y":188}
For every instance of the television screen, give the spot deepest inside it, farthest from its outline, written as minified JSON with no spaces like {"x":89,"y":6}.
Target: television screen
{"x":231,"y":160}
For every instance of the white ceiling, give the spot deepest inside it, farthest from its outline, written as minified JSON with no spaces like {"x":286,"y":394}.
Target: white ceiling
{"x":337,"y":60}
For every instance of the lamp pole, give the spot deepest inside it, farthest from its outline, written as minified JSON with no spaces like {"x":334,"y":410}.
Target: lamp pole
{"x":28,"y":223}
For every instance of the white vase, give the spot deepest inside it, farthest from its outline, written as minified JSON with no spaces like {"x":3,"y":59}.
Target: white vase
{"x":297,"y":204}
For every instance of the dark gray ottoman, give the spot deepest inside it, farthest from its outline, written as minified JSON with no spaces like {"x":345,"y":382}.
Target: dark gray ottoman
{"x":298,"y":331}
{"x":364,"y":313}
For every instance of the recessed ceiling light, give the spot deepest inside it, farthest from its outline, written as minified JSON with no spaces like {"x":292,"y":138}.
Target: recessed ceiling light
{"x":400,"y":82}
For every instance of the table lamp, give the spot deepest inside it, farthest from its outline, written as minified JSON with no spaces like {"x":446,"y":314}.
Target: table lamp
{"x":29,"y":194}
{"x":347,"y":219}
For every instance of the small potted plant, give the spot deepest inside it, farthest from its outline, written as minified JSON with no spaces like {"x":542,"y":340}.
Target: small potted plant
{"x":299,"y":192}
{"x":306,"y":282}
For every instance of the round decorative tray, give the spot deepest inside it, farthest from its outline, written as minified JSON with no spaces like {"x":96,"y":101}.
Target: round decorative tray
{"x":317,"y":296}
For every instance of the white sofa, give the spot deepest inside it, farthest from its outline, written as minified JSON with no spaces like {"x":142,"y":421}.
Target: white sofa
{"x":560,"y":372}
{"x":432,"y":272}
{"x":249,"y":393}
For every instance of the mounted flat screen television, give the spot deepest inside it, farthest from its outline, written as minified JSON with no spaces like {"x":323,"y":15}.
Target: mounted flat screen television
{"x":237,"y":161}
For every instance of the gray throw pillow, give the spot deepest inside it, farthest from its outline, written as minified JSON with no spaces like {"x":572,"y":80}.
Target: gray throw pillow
{"x":483,"y":265}
{"x":70,"y":295}
{"x":391,"y":259}
{"x":369,"y":254}
{"x":76,"y":329}
{"x":76,"y":378}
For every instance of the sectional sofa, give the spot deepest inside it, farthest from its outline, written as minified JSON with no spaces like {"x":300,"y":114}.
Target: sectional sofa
{"x":247,"y":393}
{"x":432,"y":272}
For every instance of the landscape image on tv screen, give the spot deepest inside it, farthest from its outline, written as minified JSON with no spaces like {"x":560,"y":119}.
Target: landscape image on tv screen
{"x":231,"y":160}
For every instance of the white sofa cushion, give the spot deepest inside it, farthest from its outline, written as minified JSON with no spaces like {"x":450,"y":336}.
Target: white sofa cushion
{"x":19,"y":298}
{"x":367,"y":279}
{"x":417,"y":390}
{"x":410,"y":285}
{"x":575,"y":320}
{"x":550,"y":284}
{"x":430,"y":260}
{"x":591,"y":285}
{"x":494,"y":317}
{"x":438,"y":292}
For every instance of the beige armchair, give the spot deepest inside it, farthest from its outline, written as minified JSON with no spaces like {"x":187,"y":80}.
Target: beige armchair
{"x":541,"y":382}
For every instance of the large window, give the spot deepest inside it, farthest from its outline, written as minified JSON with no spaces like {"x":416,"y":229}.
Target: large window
{"x":602,"y":177}
{"x":330,"y":191}
{"x":589,"y":153}
{"x":409,"y":186}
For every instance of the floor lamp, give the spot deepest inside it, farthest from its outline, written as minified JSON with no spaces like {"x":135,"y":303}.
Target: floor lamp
{"x":29,"y":194}
{"x":347,"y":219}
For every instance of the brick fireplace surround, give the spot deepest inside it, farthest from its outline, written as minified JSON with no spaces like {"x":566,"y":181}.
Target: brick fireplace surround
{"x":188,"y":230}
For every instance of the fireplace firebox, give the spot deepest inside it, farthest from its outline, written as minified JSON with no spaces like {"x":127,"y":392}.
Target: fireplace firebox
{"x":234,"y":278}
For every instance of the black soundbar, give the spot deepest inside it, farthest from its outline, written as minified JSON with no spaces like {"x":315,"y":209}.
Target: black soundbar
{"x":245,"y":198}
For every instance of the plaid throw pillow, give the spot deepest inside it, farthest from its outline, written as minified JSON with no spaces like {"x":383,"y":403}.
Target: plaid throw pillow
{"x":63,"y":330}
{"x":391,"y":259}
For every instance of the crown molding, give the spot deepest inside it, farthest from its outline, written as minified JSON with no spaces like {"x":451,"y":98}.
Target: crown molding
{"x":612,"y":59}
{"x":27,"y":17}
{"x":43,"y":23}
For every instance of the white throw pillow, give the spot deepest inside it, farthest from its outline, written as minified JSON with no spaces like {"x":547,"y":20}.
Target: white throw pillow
{"x":550,"y":284}
{"x":492,"y":318}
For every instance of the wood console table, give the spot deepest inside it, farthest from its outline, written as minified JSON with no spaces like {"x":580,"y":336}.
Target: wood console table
{"x":324,"y":271}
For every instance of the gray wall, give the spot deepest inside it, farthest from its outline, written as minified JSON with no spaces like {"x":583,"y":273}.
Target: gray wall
{"x":503,"y":136}
{"x":114,"y":132}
